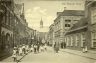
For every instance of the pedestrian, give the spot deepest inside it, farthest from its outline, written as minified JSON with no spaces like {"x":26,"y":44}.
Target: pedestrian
{"x":38,"y":47}
{"x":17,"y":48}
{"x":14,"y":55}
{"x":56,"y":47}
{"x":35,"y":48}
{"x":27,"y":49}
{"x":45,"y":47}
{"x":23,"y":49}
{"x":64,"y":45}
{"x":86,"y":49}
{"x":32,"y":49}
{"x":41,"y":48}
{"x":20,"y":50}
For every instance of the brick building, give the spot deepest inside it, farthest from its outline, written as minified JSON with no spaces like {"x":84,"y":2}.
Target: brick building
{"x":12,"y":25}
{"x":7,"y":24}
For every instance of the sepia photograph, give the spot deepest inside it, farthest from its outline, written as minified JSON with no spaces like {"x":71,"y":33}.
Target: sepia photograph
{"x":47,"y":31}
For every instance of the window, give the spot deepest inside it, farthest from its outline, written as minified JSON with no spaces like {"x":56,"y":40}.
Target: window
{"x":68,"y":40}
{"x":75,"y":21}
{"x":3,"y":21}
{"x":82,"y":39}
{"x":77,"y":40}
{"x":7,"y":18}
{"x":67,"y":25}
{"x":67,"y":20}
{"x":71,"y":41}
{"x":93,"y":16}
{"x":93,"y":39}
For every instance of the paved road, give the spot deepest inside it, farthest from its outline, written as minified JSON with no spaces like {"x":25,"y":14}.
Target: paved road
{"x":51,"y":57}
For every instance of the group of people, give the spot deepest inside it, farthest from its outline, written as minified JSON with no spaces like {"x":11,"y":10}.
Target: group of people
{"x":39,"y":48}
{"x":57,"y":46}
{"x":20,"y":51}
{"x":25,"y":49}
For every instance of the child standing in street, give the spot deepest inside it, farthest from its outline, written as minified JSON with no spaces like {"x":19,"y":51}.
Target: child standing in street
{"x":14,"y":54}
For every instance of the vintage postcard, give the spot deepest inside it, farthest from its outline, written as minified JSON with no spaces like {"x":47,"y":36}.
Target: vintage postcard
{"x":47,"y":31}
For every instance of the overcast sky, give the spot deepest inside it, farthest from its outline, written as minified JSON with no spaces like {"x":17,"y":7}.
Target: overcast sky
{"x":34,"y":10}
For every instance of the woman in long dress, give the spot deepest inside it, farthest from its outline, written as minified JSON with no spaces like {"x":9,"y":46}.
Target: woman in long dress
{"x":56,"y":47}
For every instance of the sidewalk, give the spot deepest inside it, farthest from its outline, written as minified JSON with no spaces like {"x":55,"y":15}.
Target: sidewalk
{"x":90,"y":54}
{"x":10,"y":59}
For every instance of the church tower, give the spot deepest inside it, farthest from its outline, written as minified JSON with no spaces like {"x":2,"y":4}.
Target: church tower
{"x":41,"y":23}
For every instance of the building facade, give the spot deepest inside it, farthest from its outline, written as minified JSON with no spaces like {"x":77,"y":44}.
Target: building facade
{"x":51,"y":35}
{"x":64,"y":21}
{"x":90,"y":8}
{"x":83,"y":33}
{"x":7,"y":24}
{"x":76,"y":36}
{"x":20,"y":28}
{"x":12,"y":25}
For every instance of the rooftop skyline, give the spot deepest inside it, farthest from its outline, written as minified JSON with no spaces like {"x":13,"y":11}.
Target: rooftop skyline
{"x":34,"y":10}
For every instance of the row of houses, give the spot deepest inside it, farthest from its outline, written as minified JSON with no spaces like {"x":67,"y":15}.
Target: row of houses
{"x":77,"y":28}
{"x":14,"y":29}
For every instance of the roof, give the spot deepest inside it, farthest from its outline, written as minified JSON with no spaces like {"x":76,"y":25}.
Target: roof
{"x":82,"y":22}
{"x":71,"y":13}
{"x":78,"y":26}
{"x":18,"y":8}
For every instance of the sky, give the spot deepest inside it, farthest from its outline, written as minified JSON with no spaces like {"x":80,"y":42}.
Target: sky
{"x":47,"y":9}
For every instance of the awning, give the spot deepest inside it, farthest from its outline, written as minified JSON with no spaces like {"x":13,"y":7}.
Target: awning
{"x":77,"y":29}
{"x":84,"y":28}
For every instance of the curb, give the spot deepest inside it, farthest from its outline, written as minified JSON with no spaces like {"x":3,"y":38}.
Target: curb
{"x":19,"y":60}
{"x":80,"y":55}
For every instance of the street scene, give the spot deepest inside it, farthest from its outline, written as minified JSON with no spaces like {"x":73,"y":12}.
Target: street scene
{"x":45,"y":31}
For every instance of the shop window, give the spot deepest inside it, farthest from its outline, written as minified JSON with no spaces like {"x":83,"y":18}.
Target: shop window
{"x":93,"y":39}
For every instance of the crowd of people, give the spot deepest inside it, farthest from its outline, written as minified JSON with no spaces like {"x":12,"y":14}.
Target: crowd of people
{"x":25,"y":49}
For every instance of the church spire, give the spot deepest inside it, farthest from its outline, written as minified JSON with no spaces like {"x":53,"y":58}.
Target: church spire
{"x":41,"y":23}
